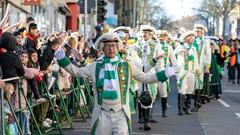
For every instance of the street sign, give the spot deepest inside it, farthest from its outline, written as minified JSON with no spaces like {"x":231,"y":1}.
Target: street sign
{"x":32,"y":2}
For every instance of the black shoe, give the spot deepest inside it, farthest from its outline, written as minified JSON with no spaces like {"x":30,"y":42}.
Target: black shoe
{"x":180,"y":112}
{"x":199,"y":105}
{"x":238,"y":81}
{"x":164,"y":114}
{"x":180,"y":104}
{"x":188,"y":111}
{"x":141,"y":120}
{"x":195,"y":109}
{"x":203,"y":101}
{"x":188,"y":104}
{"x":208,"y":100}
{"x":233,"y":82}
{"x":147,"y":126}
{"x":153,"y":121}
{"x":164,"y":107}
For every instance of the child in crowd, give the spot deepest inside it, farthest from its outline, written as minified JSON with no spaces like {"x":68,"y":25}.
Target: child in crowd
{"x":10,"y":124}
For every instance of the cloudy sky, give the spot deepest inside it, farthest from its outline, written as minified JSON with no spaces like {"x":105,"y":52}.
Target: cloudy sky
{"x":180,"y":8}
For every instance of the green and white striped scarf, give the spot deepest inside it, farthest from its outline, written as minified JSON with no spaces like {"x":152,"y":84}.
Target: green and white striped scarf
{"x":108,"y":77}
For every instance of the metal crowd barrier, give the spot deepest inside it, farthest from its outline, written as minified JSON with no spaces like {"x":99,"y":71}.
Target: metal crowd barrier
{"x":79,"y":92}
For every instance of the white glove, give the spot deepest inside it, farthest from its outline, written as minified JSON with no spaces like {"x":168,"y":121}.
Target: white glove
{"x":169,"y":71}
{"x":59,"y":54}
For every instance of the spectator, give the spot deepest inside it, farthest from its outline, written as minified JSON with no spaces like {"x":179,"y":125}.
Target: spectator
{"x":30,"y":40}
{"x":35,"y":64}
{"x":29,"y":74}
{"x":222,"y":54}
{"x":10,"y":126}
{"x":32,"y":81}
{"x":18,"y":36}
{"x":9,"y":61}
{"x":98,"y":33}
{"x":29,"y":19}
{"x":47,"y":51}
{"x":233,"y":61}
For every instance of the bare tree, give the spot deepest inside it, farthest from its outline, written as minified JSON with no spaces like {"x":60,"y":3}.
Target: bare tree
{"x":151,"y":12}
{"x":215,"y":10}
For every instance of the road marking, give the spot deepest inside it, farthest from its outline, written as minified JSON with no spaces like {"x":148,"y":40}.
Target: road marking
{"x":238,"y":114}
{"x":159,"y":134}
{"x":134,"y":133}
{"x":203,"y":128}
{"x":223,"y":103}
{"x":231,"y":91}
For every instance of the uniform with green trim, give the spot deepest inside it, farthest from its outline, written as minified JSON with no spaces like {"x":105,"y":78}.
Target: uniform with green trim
{"x":111,"y":99}
{"x":203,"y":48}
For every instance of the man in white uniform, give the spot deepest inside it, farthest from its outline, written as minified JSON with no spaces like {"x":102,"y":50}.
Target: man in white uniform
{"x":203,"y":48}
{"x":168,"y":58}
{"x":187,"y":61}
{"x":111,"y":77}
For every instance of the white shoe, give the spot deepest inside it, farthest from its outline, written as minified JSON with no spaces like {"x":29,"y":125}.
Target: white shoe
{"x":49,"y":121}
{"x":46,"y":125}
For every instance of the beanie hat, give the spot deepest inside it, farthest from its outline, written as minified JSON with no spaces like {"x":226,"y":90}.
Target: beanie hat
{"x":8,"y":41}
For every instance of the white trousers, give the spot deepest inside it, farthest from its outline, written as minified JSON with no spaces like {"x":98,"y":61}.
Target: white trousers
{"x":188,"y":84}
{"x":162,"y":87}
{"x":112,"y":123}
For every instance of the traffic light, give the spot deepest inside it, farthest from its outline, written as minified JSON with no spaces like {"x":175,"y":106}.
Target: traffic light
{"x":101,"y":11}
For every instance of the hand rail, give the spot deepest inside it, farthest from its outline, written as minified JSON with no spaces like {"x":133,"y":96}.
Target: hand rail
{"x":10,"y":79}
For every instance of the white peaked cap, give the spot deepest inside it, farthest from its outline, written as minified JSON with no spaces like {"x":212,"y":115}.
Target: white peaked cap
{"x":185,"y":35}
{"x":99,"y":44}
{"x":200,"y":26}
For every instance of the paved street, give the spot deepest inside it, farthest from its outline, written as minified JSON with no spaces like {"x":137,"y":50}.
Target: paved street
{"x":219,"y":117}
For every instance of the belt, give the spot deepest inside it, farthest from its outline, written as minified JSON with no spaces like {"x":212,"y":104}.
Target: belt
{"x":111,"y":110}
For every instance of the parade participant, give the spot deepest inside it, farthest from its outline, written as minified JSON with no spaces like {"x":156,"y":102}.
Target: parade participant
{"x":123,"y":29}
{"x":204,"y":58}
{"x":128,"y":54}
{"x":111,"y":77}
{"x":187,"y":62}
{"x":146,"y":53}
{"x":131,"y":55}
{"x":168,"y":58}
{"x":215,"y":70}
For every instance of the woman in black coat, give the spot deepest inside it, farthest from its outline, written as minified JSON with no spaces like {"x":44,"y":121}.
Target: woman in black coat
{"x":9,"y":60}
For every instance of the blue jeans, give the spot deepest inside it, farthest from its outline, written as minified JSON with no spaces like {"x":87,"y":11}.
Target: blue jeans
{"x":26,"y":124}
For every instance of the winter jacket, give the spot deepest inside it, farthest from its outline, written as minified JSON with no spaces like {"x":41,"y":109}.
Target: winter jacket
{"x":46,"y":57}
{"x":11,"y":65}
{"x":30,"y":42}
